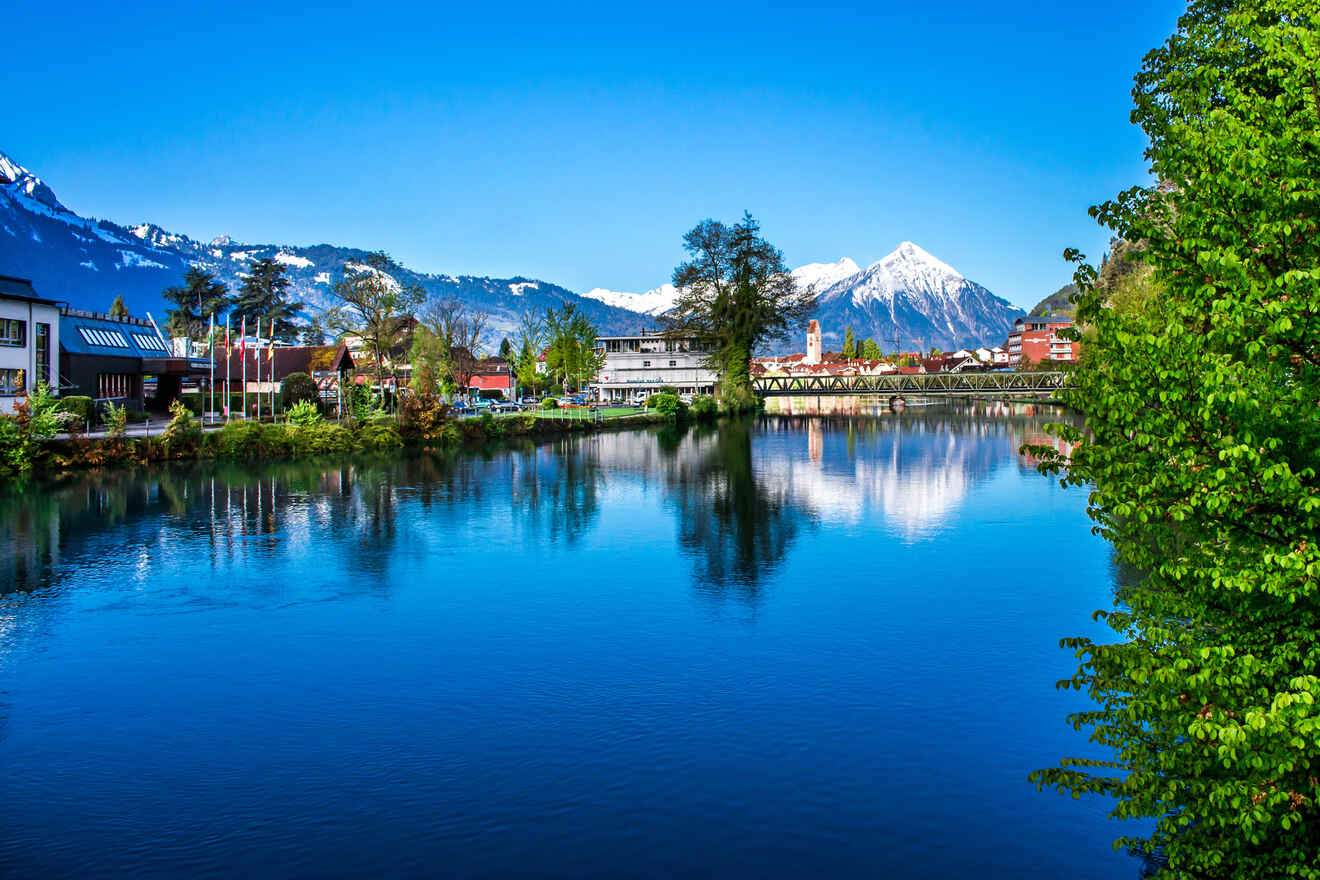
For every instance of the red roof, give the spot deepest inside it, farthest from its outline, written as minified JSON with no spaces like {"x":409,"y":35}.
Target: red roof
{"x":491,"y":381}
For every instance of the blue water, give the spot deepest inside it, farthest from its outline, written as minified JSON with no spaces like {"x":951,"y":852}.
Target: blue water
{"x":800,"y":648}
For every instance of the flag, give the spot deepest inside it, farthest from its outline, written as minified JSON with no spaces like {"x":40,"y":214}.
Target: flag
{"x":226,"y":338}
{"x":242,"y":337}
{"x":210,"y":337}
{"x":270,"y":347}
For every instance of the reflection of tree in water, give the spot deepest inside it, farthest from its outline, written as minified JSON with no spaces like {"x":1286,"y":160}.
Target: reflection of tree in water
{"x":736,"y":530}
{"x":555,"y":489}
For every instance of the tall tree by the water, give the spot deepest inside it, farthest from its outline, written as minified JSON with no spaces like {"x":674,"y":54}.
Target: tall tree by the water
{"x":374,"y":306}
{"x":264,"y":295}
{"x":195,"y":301}
{"x":735,"y":292}
{"x":1202,"y":448}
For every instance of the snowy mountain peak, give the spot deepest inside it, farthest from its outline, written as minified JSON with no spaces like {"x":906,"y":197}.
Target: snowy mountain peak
{"x":908,"y":259}
{"x":655,"y":301}
{"x":821,"y":276}
{"x":27,"y":183}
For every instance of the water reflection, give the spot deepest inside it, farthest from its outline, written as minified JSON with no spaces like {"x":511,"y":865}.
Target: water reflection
{"x":739,"y":496}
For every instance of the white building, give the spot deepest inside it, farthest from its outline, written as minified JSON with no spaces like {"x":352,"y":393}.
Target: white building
{"x":639,"y":365}
{"x":29,"y":341}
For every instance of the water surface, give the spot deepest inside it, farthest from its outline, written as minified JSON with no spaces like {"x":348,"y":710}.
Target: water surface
{"x":800,"y":647}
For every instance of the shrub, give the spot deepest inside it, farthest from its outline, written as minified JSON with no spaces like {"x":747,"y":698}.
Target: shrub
{"x":135,"y":416}
{"x":704,"y":407}
{"x":195,"y":401}
{"x":668,"y":404}
{"x":82,"y":407}
{"x":183,"y":433}
{"x":422,"y":418}
{"x":304,"y":412}
{"x":24,"y":434}
{"x":115,"y":419}
{"x":378,"y":435}
{"x":549,"y":403}
{"x":240,"y":440}
{"x":296,"y":388}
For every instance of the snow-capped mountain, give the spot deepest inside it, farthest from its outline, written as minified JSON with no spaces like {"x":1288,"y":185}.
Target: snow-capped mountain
{"x":656,"y":301}
{"x":906,"y":300}
{"x":910,"y":299}
{"x":87,"y":263}
{"x":822,"y":276}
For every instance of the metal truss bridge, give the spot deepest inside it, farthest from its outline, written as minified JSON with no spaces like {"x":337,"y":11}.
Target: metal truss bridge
{"x":1031,"y":384}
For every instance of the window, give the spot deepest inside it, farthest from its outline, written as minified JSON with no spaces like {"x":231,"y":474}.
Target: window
{"x":13,"y":332}
{"x":114,"y":384}
{"x":148,"y":343}
{"x":105,"y":338}
{"x":12,"y":382}
{"x":646,"y":363}
{"x":673,"y":363}
{"x":43,"y":354}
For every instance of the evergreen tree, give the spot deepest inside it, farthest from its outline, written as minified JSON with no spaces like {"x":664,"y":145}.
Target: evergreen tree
{"x":195,"y":301}
{"x":506,"y":349}
{"x":1200,"y":455}
{"x":264,"y":294}
{"x":849,"y":344}
{"x":313,"y":333}
{"x":117,"y":308}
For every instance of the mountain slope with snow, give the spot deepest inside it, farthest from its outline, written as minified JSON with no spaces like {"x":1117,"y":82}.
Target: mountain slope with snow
{"x":87,"y":263}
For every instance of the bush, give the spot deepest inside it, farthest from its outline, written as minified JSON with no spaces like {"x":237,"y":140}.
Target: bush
{"x":82,"y":407}
{"x":668,"y":404}
{"x":704,"y":407}
{"x":135,"y":416}
{"x":183,"y":433}
{"x":115,"y":419}
{"x":195,"y":402}
{"x":422,"y":418}
{"x":296,"y":388}
{"x":378,"y":435}
{"x":304,"y":412}
{"x":549,"y":403}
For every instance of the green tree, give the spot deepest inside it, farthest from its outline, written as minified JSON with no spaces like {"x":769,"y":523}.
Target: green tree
{"x":506,"y":349}
{"x":735,"y":293}
{"x":871,"y":350}
{"x":849,"y":344}
{"x":448,"y":343}
{"x":117,"y":308}
{"x":1202,"y":449}
{"x":195,"y":301}
{"x":374,"y":306}
{"x":573,"y":356}
{"x":531,"y":340}
{"x":264,"y":295}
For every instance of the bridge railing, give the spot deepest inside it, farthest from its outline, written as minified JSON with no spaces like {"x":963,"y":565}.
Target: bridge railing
{"x":1038,"y":382}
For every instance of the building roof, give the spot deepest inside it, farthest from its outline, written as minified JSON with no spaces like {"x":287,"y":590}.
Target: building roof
{"x":21,"y":288}
{"x":93,"y":333}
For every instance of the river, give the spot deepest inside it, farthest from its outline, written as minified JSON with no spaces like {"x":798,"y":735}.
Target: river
{"x":796,"y":647}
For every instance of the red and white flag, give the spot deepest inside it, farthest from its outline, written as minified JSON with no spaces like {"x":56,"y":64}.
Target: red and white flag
{"x":242,"y":337}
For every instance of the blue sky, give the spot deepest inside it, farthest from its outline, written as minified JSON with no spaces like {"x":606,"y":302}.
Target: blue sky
{"x":576,"y":143}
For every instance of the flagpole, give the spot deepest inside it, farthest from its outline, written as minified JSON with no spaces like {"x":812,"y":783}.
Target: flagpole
{"x":242,"y":353}
{"x":210,"y":349}
{"x":258,"y":369}
{"x":228,"y":399}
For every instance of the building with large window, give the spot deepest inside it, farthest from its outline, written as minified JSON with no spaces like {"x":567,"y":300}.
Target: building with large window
{"x":122,"y":360}
{"x":1036,"y":338}
{"x":29,"y":339}
{"x":639,"y":365}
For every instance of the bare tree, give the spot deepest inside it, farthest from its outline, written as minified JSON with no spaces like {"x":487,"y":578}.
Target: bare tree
{"x":375,"y":306}
{"x":454,"y":330}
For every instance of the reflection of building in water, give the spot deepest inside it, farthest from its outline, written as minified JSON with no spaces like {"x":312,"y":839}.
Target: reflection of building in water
{"x":815,"y":439}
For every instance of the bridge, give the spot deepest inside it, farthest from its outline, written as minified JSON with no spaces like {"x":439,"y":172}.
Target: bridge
{"x":1030,"y":384}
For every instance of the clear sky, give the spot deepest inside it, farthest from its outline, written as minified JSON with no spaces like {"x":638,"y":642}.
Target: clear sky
{"x":576,"y":144}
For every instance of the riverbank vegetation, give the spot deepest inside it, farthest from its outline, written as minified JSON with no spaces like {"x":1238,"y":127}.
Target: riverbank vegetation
{"x":1202,"y":450}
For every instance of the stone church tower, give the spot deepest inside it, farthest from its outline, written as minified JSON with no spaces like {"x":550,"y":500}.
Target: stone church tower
{"x":813,"y":343}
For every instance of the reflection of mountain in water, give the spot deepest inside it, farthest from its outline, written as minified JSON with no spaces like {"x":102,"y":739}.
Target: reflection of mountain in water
{"x":913,"y":469}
